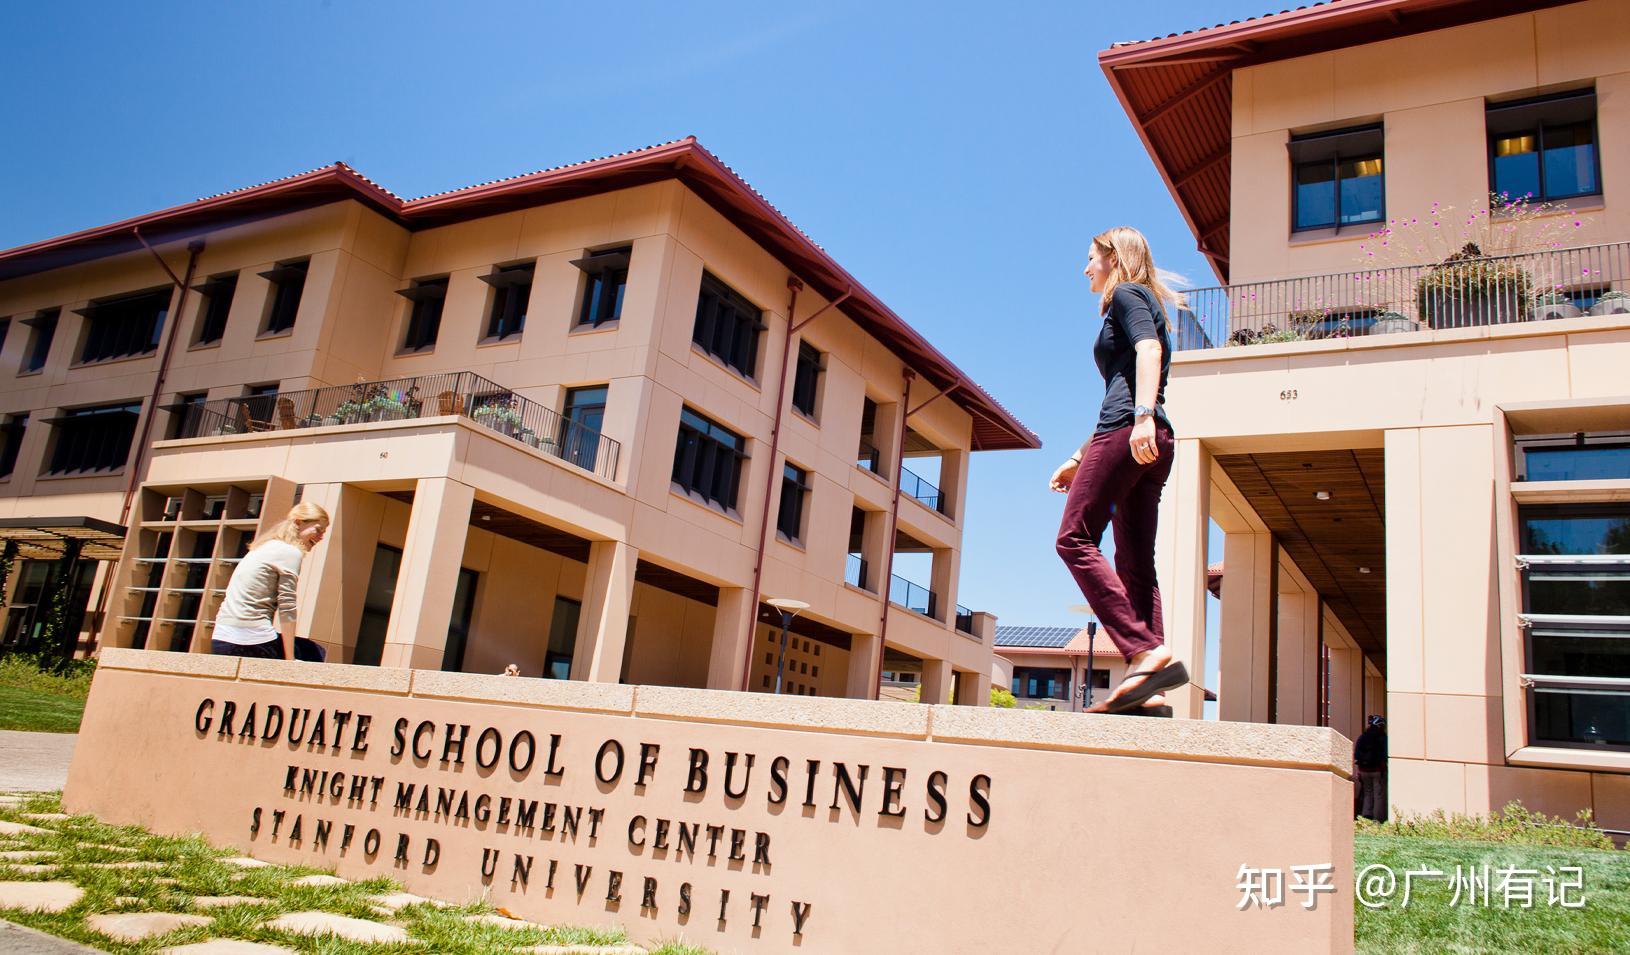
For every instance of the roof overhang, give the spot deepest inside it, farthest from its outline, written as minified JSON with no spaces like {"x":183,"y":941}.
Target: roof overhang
{"x":994,"y":427}
{"x":47,"y":538}
{"x":1178,"y":90}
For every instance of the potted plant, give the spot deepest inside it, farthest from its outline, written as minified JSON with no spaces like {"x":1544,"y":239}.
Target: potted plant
{"x":1388,"y":323}
{"x":1469,"y":288}
{"x":1552,"y":303}
{"x":1306,"y":323}
{"x":351,"y":412}
{"x":1612,"y":302}
{"x":499,"y":417}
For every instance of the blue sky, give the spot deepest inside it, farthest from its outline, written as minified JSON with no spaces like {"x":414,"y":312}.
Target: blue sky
{"x":955,"y":158}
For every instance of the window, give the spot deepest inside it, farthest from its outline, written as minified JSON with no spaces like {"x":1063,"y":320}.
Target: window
{"x":1545,"y":148}
{"x":603,"y":290}
{"x":1337,"y":178}
{"x":424,"y":319}
{"x":511,"y":287}
{"x":458,"y":627}
{"x":557,"y":660}
{"x":727,"y":326}
{"x":1575,"y":561}
{"x":868,"y":457}
{"x":186,"y":416}
{"x":1041,"y":683}
{"x":5,"y":329}
{"x":789,"y":521}
{"x":806,"y":378}
{"x":707,"y":461}
{"x":124,"y":326}
{"x":288,"y":283}
{"x":1578,"y":457}
{"x":93,"y":439}
{"x":580,"y":425}
{"x":43,"y":328}
{"x":11,"y":442}
{"x":217,"y":292}
{"x":376,"y":607}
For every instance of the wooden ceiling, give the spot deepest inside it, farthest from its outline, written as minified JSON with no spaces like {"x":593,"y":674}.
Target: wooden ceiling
{"x":1329,"y":540}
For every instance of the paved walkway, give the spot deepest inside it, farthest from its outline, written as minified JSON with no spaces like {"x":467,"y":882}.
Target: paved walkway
{"x":21,"y":940}
{"x":34,"y":761}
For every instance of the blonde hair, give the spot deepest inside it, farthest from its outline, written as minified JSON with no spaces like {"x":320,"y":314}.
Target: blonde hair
{"x":288,"y":529}
{"x":1133,"y":263}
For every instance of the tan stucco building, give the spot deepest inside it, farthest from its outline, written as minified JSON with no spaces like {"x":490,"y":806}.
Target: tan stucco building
{"x":586,"y":421}
{"x":1420,"y":469}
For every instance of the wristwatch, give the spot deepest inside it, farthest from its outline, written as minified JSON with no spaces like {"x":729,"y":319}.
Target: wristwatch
{"x":1142,"y":411}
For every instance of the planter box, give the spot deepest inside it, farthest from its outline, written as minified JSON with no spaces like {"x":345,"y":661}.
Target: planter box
{"x":1392,"y":326}
{"x":1611,"y":306}
{"x":1493,"y":305}
{"x":1560,"y":310}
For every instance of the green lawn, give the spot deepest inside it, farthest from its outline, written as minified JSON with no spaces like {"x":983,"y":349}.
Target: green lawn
{"x":29,"y":709}
{"x":1431,"y":924}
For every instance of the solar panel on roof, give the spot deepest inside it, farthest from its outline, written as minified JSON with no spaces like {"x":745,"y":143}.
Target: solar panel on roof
{"x":1045,"y":637}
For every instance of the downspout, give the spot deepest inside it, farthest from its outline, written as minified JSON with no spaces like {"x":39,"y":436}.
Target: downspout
{"x":793,"y":285}
{"x":185,"y":284}
{"x":906,"y":375}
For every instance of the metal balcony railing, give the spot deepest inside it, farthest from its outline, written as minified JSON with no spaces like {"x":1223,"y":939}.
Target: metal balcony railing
{"x":868,"y":457}
{"x":463,"y":393}
{"x":916,"y":487}
{"x":964,"y":620}
{"x":1459,"y":292}
{"x":855,"y":571}
{"x":912,"y":596}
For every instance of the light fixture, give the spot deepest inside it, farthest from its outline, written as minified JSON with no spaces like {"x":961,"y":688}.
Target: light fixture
{"x":789,"y":608}
{"x":1322,"y":495}
{"x":1363,"y":570}
{"x":486,"y":517}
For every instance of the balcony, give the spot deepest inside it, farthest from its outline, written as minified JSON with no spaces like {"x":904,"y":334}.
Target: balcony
{"x":913,"y":597}
{"x":1460,"y":292}
{"x":464,"y":393}
{"x":856,"y":571}
{"x":926,"y":494}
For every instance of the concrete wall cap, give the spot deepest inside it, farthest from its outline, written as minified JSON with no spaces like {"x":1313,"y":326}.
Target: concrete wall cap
{"x":817,"y":713}
{"x":165,"y":661}
{"x":1305,"y":747}
{"x":528,"y":691}
{"x":335,"y":676}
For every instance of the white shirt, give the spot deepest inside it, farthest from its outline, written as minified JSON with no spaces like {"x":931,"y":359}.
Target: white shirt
{"x":261,"y":590}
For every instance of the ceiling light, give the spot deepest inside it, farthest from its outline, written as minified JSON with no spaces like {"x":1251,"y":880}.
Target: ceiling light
{"x":1363,"y":570}
{"x":486,"y":517}
{"x":1322,"y":495}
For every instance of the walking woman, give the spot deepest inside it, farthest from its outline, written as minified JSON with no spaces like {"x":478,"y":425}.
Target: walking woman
{"x":1116,"y":477}
{"x":257,"y":614}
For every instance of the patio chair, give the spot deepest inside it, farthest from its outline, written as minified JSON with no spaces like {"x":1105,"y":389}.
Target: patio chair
{"x":449,"y":403}
{"x":285,"y":414}
{"x":250,"y":425}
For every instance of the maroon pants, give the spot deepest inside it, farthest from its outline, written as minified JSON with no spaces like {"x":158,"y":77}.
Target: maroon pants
{"x":1112,"y":488}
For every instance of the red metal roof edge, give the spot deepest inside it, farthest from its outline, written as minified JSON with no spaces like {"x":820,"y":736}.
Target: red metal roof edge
{"x":1239,"y":31}
{"x":970,"y":394}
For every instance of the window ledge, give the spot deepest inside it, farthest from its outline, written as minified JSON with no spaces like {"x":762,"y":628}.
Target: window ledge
{"x":29,"y":374}
{"x":1565,"y":757}
{"x":490,"y":341}
{"x":706,"y":505}
{"x":79,"y":476}
{"x":273,"y":336}
{"x":414,"y":352}
{"x":204,"y":346}
{"x":101,"y":362}
{"x":1558,"y":207}
{"x":718,"y":363}
{"x":1346,"y":233}
{"x":790,"y":542}
{"x":1570,"y":492}
{"x":584,"y":328}
{"x":813,"y":421}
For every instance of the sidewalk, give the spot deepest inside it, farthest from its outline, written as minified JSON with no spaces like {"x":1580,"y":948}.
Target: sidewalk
{"x":34,"y":761}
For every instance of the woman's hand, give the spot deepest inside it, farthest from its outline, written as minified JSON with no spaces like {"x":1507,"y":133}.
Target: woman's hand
{"x":1144,"y":449}
{"x":1065,"y":474}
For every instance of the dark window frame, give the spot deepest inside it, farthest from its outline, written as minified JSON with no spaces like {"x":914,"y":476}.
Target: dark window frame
{"x":288,"y":288}
{"x":1554,"y":100}
{"x":187,"y":410}
{"x":86,"y":439}
{"x":708,"y":460}
{"x":789,"y":515}
{"x":14,"y":430}
{"x":728,"y":326}
{"x":607,"y":268}
{"x":1335,"y":161}
{"x":42,"y":335}
{"x":1604,"y":441}
{"x":508,"y":303}
{"x":124,"y":326}
{"x":806,"y":379}
{"x":427,"y":298}
{"x":217,"y":291}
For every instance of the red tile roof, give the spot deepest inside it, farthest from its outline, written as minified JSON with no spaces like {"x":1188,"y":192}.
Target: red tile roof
{"x":1178,"y":89}
{"x":994,"y":427}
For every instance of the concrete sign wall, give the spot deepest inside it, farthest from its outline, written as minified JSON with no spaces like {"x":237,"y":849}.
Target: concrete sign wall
{"x":741,"y":822}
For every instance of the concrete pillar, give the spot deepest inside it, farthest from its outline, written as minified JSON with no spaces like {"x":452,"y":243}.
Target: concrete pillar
{"x":1298,"y":660}
{"x":422,"y":608}
{"x":943,"y":582}
{"x":886,"y":436}
{"x":1346,"y":691}
{"x":1180,"y":563}
{"x":1250,"y":573}
{"x":321,"y":597}
{"x":733,"y":630}
{"x":954,"y":482}
{"x":972,"y":689}
{"x":936,"y":686}
{"x":865,"y":650}
{"x":874,"y":547}
{"x":602,"y":628}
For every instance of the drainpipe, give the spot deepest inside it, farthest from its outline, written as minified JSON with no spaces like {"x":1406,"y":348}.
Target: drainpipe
{"x":906,"y":375}
{"x":793,"y":285}
{"x":174,"y":320}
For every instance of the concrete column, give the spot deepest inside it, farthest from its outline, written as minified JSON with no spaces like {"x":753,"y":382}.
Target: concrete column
{"x":947,"y":569}
{"x":321,"y":596}
{"x":1180,"y":562}
{"x":733,"y":631}
{"x":936,"y":687}
{"x":864,"y":652}
{"x":423,"y":606}
{"x":886,"y":435}
{"x":874,"y":547}
{"x":1298,"y":661}
{"x":954,"y":482}
{"x":608,"y":592}
{"x":972,"y":689}
{"x":1249,"y":579}
{"x":1346,"y":690}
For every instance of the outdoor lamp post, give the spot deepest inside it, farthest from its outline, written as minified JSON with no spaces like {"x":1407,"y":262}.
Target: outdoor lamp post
{"x":1092,"y":633}
{"x":789,"y":608}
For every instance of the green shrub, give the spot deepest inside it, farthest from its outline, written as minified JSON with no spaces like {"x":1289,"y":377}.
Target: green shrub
{"x":1003,"y":697}
{"x":68,"y":678}
{"x":1513,"y":824}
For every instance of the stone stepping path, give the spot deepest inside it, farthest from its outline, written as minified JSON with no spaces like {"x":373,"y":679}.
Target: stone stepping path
{"x":244,"y":862}
{"x":46,"y":816}
{"x":320,"y":880}
{"x":503,"y":921}
{"x":217,"y":901}
{"x":20,"y":829}
{"x":39,"y":896}
{"x":111,"y":848}
{"x":228,"y":946}
{"x":30,"y":869}
{"x":28,"y":855}
{"x":134,"y":864}
{"x":584,"y":950}
{"x":135,"y":926}
{"x":327,"y":923}
{"x":400,"y":900}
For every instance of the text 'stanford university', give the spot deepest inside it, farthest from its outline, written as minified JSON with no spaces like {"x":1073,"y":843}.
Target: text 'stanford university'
{"x":585,"y":421}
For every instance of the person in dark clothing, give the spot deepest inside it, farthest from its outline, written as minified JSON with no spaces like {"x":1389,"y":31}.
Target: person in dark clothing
{"x":1370,"y":753}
